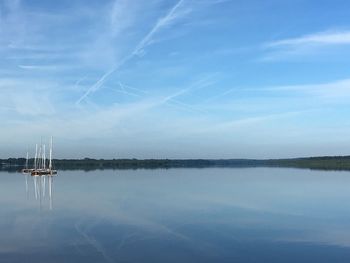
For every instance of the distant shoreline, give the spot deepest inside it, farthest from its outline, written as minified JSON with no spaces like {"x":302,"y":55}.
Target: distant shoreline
{"x":87,"y":164}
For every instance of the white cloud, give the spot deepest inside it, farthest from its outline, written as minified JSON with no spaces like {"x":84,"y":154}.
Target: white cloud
{"x":124,"y":15}
{"x":54,"y":67}
{"x":306,"y":45}
{"x":339,"y":89}
{"x":322,"y":38}
{"x":28,"y":103}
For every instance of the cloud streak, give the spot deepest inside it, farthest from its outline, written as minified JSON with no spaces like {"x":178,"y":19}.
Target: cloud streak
{"x":329,"y":91}
{"x":321,"y":38}
{"x":162,"y":22}
{"x":306,"y":45}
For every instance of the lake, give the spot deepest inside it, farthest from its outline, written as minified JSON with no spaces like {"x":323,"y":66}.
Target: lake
{"x":176,"y":215}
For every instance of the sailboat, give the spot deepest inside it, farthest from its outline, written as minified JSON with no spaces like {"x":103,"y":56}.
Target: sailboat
{"x":40,"y":161}
{"x":26,"y":170}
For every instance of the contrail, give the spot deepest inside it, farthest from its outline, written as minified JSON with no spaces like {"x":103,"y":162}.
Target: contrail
{"x":200,"y":84}
{"x":123,"y":86}
{"x":101,"y":81}
{"x":220,"y":95}
{"x":185,"y":106}
{"x":161,"y":22}
{"x":171,"y":15}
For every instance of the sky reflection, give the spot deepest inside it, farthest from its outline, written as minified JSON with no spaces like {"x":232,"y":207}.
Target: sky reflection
{"x":187,"y":215}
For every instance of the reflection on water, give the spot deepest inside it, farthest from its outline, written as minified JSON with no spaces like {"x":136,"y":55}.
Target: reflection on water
{"x":42,"y":189}
{"x":176,"y":215}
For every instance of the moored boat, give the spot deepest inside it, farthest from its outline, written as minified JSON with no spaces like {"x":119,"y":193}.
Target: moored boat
{"x":27,"y":170}
{"x":43,"y":172}
{"x":40,"y":162}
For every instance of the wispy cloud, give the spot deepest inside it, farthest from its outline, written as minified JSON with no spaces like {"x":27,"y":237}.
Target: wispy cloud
{"x":246,"y":122}
{"x":43,"y":104}
{"x":322,"y":38}
{"x":329,"y":91}
{"x":162,"y":22}
{"x":300,"y":96}
{"x":55,"y":67}
{"x":123,"y":15}
{"x":305,"y":44}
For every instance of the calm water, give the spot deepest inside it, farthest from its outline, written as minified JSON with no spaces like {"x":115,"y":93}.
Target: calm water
{"x":176,"y":215}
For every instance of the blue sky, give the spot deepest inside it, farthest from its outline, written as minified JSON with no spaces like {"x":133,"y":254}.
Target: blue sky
{"x":175,"y":79}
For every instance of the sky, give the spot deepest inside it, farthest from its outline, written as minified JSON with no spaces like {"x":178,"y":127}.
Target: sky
{"x":175,"y":78}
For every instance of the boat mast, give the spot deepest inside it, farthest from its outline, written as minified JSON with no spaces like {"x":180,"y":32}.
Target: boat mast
{"x":36,"y":155}
{"x":27,"y":160}
{"x":44,"y":160}
{"x":39,"y":158}
{"x":50,"y":161}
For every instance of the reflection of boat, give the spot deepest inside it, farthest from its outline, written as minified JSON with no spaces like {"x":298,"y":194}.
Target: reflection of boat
{"x":43,"y":189}
{"x":40,"y":165}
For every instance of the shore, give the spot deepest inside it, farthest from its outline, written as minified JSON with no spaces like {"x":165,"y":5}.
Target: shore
{"x":321,"y":163}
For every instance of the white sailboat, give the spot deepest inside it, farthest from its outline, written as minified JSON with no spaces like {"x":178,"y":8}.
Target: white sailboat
{"x":26,"y":170}
{"x":40,"y":161}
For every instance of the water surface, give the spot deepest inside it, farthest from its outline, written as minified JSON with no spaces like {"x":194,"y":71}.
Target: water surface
{"x":176,"y":215}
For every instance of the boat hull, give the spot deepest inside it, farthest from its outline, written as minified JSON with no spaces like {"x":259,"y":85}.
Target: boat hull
{"x":43,"y":172}
{"x":27,"y":171}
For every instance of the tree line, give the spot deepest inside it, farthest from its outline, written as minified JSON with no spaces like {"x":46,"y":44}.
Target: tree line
{"x":324,"y":163}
